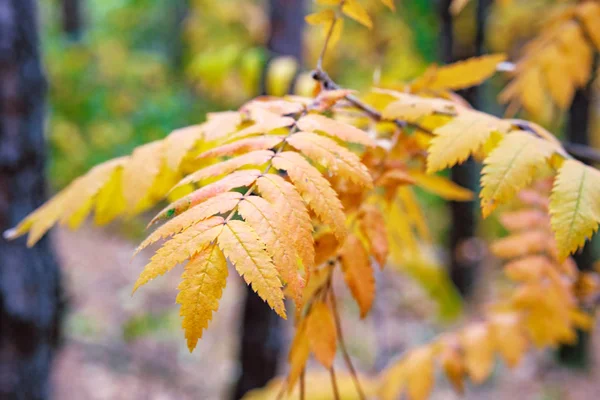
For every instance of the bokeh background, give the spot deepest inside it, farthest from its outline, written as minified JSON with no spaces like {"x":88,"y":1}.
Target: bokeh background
{"x":125,"y":72}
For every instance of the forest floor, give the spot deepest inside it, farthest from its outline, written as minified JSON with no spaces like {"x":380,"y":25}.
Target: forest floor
{"x":119,"y":346}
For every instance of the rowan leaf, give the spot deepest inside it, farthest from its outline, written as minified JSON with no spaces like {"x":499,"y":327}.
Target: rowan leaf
{"x":412,"y":108}
{"x":479,"y":351}
{"x":140,"y":172}
{"x":292,"y":214}
{"x":332,"y":156}
{"x":334,"y":129}
{"x":454,"y":367}
{"x":354,"y":10}
{"x":181,"y":142}
{"x":372,"y":224}
{"x":315,"y":190}
{"x":110,"y":202}
{"x":262,"y":217}
{"x":574,"y":206}
{"x":420,"y":377}
{"x":442,"y":187}
{"x":458,"y":139}
{"x":389,"y":4}
{"x":322,"y":334}
{"x":234,"y":180}
{"x":247,"y":252}
{"x":245,"y":145}
{"x":509,"y":338}
{"x":512,"y":166}
{"x":219,"y":204}
{"x":254,"y":158}
{"x":298,"y":355}
{"x":321,"y":17}
{"x":358,"y":273}
{"x":179,"y":248}
{"x":460,"y":75}
{"x":201,"y":287}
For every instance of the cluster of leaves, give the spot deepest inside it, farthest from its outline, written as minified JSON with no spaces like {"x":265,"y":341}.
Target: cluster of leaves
{"x":557,"y":62}
{"x":292,"y":189}
{"x":542,"y":309}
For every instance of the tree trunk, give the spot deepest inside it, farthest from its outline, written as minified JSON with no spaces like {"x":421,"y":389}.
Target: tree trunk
{"x":465,"y":251}
{"x":577,"y":132}
{"x":72,"y":18}
{"x":261,"y":336}
{"x":30,"y":295}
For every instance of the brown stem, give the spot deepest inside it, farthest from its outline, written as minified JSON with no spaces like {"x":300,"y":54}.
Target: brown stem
{"x":334,"y":386}
{"x":581,"y":152}
{"x":347,"y":359}
{"x":303,"y":384}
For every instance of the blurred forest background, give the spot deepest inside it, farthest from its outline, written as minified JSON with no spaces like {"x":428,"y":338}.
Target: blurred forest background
{"x":125,"y":72}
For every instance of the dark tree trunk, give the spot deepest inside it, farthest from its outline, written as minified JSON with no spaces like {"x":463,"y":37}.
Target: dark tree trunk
{"x":261,"y":334}
{"x":465,"y":250}
{"x":577,"y":132}
{"x":72,"y":18}
{"x":30,"y":295}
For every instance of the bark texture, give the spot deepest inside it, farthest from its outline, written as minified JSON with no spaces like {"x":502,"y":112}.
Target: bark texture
{"x":30,"y":291}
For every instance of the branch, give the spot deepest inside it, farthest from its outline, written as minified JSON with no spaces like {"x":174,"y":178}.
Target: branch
{"x":578,"y":151}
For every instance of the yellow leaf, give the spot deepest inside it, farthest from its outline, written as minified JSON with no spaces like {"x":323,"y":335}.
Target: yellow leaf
{"x":372,"y":224}
{"x":219,"y":204}
{"x":453,"y":366}
{"x":479,"y":351}
{"x":358,"y":273}
{"x":246,"y":251}
{"x":414,"y":213}
{"x":254,"y":158}
{"x":280,"y":75}
{"x":315,"y":190}
{"x":509,"y":337}
{"x":354,"y":10}
{"x":442,"y":187}
{"x":298,"y":355}
{"x":326,"y":246}
{"x":511,"y":167}
{"x":589,"y":12}
{"x":412,"y":108}
{"x":179,"y":143}
{"x":321,"y":17}
{"x":262,"y":217}
{"x":420,"y":378}
{"x":245,"y":145}
{"x":332,"y":156}
{"x":461,"y":137}
{"x":110,"y":202}
{"x":322,"y":334}
{"x":181,"y":247}
{"x":140,"y":172}
{"x":574,"y":206}
{"x":334,"y":129}
{"x":293,"y":216}
{"x":200,"y":289}
{"x":234,"y":180}
{"x":389,"y":4}
{"x":460,"y":75}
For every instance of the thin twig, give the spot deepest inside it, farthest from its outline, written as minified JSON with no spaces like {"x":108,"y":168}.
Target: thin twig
{"x":328,"y":84}
{"x":578,"y":151}
{"x":326,"y":44}
{"x":303,"y":384}
{"x":336,"y":392}
{"x":347,"y":359}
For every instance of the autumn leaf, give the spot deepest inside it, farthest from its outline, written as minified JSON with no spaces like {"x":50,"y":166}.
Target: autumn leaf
{"x":321,"y":333}
{"x":358,"y":273}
